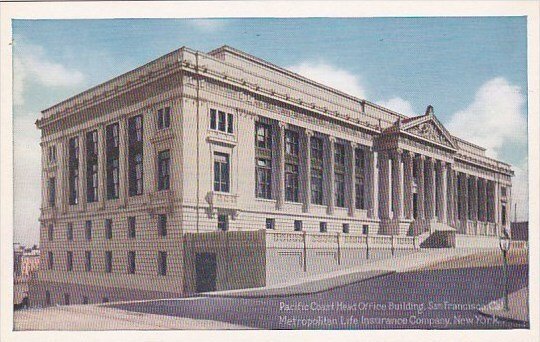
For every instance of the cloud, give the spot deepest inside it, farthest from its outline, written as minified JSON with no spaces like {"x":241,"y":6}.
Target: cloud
{"x":208,"y":25}
{"x":520,"y":191}
{"x":495,"y":117}
{"x":332,"y":76}
{"x":31,"y":63}
{"x":397,"y":104}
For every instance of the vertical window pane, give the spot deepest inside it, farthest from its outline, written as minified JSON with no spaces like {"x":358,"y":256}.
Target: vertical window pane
{"x":213,"y":119}
{"x":230,"y":123}
{"x":222,"y":121}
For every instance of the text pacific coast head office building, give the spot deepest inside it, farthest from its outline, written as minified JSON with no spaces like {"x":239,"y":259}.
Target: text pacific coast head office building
{"x":198,"y":142}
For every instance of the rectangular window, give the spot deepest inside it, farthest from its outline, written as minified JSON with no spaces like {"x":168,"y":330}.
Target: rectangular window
{"x":69,"y":261}
{"x":164,"y":118}
{"x":50,"y":260}
{"x":92,"y":166}
{"x":47,"y":298}
{"x":213,"y":119}
{"x":270,"y":223}
{"x":66,"y":299}
{"x":221,"y":172}
{"x":316,"y":149}
{"x":503,"y":191}
{"x":52,"y":154}
{"x":69,"y":232}
{"x":131,"y":262}
{"x":162,"y":262}
{"x":108,"y":229}
{"x":346,"y":228}
{"x":73,"y":171}
{"x":108,"y":261}
{"x":52,"y":191}
{"x":223,"y":222}
{"x":323,"y":227}
{"x":365,"y":229}
{"x":50,"y":232}
{"x":291,"y":143}
{"x":359,"y":172}
{"x":131,"y":227}
{"x":359,"y":194}
{"x":88,"y":230}
{"x":339,"y":184}
{"x":135,"y":133}
{"x":85,"y":300}
{"x":298,"y":226}
{"x":503,"y":214}
{"x":222,"y":120}
{"x":164,"y":170}
{"x":162,"y":225}
{"x":105,"y":300}
{"x":263,"y":136}
{"x":339,"y":155}
{"x":263,"y":173}
{"x":317,"y":186}
{"x":88,"y":261}
{"x":113,"y":167}
{"x":230,"y":123}
{"x":291,"y":182}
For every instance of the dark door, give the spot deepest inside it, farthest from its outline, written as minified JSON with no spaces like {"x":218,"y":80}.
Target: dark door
{"x":205,"y":272}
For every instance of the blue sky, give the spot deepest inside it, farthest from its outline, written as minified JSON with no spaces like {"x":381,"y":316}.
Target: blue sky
{"x":470,"y":69}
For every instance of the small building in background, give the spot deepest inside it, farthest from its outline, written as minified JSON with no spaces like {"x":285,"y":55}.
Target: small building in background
{"x":26,"y":264}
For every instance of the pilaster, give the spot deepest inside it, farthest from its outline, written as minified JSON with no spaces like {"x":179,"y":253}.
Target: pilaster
{"x":331,"y":175}
{"x":280,"y":198}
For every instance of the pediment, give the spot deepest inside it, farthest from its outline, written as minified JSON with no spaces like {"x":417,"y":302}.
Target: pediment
{"x":429,"y":128}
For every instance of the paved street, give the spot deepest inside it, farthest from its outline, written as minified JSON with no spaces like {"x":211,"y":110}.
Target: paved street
{"x":428,"y":299}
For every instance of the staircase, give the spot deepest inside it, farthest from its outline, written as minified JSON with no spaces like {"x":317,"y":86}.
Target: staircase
{"x":438,"y":235}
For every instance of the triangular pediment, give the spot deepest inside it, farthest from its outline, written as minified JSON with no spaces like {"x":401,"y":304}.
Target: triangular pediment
{"x":429,"y":128}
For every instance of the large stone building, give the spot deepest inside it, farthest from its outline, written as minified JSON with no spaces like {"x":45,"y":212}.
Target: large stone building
{"x":137,"y":168}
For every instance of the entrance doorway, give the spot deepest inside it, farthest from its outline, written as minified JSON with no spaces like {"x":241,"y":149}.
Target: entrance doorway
{"x":205,"y":272}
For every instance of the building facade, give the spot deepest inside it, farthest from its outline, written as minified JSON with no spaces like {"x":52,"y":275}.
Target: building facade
{"x":201,"y":142}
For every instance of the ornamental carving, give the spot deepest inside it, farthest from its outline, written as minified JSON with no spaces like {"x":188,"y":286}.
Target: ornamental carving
{"x":429,"y":131}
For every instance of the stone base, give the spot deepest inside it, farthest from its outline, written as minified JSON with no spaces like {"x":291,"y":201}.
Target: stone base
{"x":395,"y":227}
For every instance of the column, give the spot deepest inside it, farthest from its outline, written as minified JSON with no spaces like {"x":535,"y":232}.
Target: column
{"x":430,"y":189}
{"x":307,"y":180}
{"x":408,"y":164}
{"x":384,"y":186}
{"x":464,"y":202}
{"x":373,"y":183}
{"x":102,"y":170}
{"x":280,"y":198}
{"x":421,"y":189}
{"x":474,"y":194}
{"x":508,"y":205}
{"x":331,"y":176}
{"x":485,"y":199}
{"x":123,"y":154}
{"x":397,"y":185}
{"x":62,"y":179}
{"x":450,"y":194}
{"x":352,"y":178}
{"x":456,"y":197}
{"x":443,"y":193}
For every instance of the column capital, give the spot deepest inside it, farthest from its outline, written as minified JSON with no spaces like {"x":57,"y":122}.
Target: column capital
{"x":396,"y":154}
{"x":408,"y":154}
{"x":282,"y":125}
{"x":442,"y":163}
{"x":308,"y":132}
{"x":332,"y":139}
{"x":353,"y":144}
{"x":421,"y":157}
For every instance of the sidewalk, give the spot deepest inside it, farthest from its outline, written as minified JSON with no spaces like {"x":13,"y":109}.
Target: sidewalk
{"x":323,"y":282}
{"x":517,"y":304}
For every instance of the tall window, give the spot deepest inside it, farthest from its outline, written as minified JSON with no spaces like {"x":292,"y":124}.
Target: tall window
{"x":164,"y":170}
{"x":108,"y":261}
{"x":92,"y":166}
{"x":88,"y":261}
{"x":52,"y":154}
{"x":131,"y":227}
{"x":298,"y":226}
{"x":263,"y":160}
{"x":73,"y":170}
{"x":162,"y":262}
{"x":316,"y":146}
{"x":291,"y":165}
{"x":323,"y":227}
{"x":164,"y":117}
{"x":113,"y":168}
{"x":51,"y":185}
{"x":50,"y":232}
{"x":69,"y":261}
{"x":50,"y":260}
{"x":270,"y":223}
{"x":503,"y":214}
{"x":221,"y":121}
{"x":108,"y":229}
{"x":131,"y":262}
{"x":162,"y":225}
{"x":291,"y":182}
{"x":359,"y":172}
{"x":339,"y":175}
{"x":88,"y":230}
{"x":221,"y":172}
{"x":135,"y":133}
{"x":69,"y":232}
